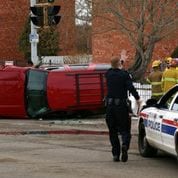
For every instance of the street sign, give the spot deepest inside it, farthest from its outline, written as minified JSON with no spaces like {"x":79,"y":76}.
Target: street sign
{"x":34,"y":38}
{"x":9,"y":63}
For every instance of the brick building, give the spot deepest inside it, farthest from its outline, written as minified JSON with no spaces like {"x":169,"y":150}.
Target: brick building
{"x":107,"y":42}
{"x":13,"y":15}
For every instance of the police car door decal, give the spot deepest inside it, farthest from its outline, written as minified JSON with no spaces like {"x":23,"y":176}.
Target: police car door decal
{"x":154,"y":126}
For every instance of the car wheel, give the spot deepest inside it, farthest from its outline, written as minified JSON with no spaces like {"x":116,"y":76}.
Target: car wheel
{"x":177,"y":150}
{"x":145,"y":149}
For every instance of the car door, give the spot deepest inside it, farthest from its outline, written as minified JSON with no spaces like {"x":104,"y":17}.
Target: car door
{"x":170,"y":125}
{"x":153,"y":126}
{"x":36,"y":87}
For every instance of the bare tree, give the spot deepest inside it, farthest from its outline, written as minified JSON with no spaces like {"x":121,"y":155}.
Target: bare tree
{"x":145,"y":22}
{"x":83,"y":11}
{"x":83,"y":23}
{"x":83,"y":38}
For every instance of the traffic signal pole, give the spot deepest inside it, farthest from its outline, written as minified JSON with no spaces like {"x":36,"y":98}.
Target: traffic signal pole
{"x":43,"y":15}
{"x":34,"y":39}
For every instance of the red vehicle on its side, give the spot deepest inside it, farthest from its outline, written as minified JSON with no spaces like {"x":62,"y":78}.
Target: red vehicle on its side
{"x":32,"y":93}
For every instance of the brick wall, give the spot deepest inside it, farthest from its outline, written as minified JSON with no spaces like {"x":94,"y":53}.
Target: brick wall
{"x":67,"y":28}
{"x":109,"y":44}
{"x":13,"y":14}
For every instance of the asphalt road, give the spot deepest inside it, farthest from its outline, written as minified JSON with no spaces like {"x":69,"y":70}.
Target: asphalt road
{"x":28,"y":152}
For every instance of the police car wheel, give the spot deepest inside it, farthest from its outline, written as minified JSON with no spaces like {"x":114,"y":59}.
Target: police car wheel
{"x":145,"y":149}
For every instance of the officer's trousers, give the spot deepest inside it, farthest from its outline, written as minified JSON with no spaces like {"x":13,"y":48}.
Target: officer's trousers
{"x":118,"y":122}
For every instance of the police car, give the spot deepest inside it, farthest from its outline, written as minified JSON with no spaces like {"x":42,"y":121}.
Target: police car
{"x":158,"y":125}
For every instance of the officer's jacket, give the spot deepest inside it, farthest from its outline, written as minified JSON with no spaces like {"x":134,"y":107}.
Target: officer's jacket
{"x":155,"y":79}
{"x":119,"y":83}
{"x":169,"y":79}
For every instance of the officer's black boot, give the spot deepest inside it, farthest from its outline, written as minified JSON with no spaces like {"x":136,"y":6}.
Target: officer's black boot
{"x":116,"y":158}
{"x":124,"y":156}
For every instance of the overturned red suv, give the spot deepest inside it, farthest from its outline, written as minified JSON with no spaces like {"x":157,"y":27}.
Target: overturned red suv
{"x":32,"y":93}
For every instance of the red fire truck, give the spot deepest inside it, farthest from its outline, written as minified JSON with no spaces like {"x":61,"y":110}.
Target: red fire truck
{"x":31,"y":93}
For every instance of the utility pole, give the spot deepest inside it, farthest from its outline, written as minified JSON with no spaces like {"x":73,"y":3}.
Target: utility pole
{"x":34,"y":39}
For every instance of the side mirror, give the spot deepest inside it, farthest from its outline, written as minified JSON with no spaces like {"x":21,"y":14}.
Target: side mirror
{"x":151,"y":102}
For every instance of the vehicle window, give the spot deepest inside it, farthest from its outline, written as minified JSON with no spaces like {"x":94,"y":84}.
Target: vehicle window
{"x":175,"y":105}
{"x":166,"y":104}
{"x":36,"y":98}
{"x":166,"y":99}
{"x":36,"y":80}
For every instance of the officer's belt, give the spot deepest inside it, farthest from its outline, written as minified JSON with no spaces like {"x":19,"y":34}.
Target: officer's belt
{"x":115,"y":101}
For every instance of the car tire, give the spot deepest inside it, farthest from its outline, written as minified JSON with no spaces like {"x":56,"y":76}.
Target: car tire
{"x":145,"y":149}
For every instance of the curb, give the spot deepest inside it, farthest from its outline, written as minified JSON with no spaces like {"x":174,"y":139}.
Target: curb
{"x":58,"y":132}
{"x":55,"y":132}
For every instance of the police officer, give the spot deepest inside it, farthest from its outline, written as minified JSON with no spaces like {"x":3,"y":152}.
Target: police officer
{"x":155,"y":79}
{"x":117,"y":109}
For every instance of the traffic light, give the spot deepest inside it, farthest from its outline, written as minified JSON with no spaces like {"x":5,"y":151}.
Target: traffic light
{"x":44,"y":15}
{"x":37,"y":16}
{"x":53,"y":18}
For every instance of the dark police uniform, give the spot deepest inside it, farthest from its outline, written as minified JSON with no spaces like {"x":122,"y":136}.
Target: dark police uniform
{"x":119,"y":83}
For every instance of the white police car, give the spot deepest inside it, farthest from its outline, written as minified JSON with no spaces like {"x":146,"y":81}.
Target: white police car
{"x":158,"y":125}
